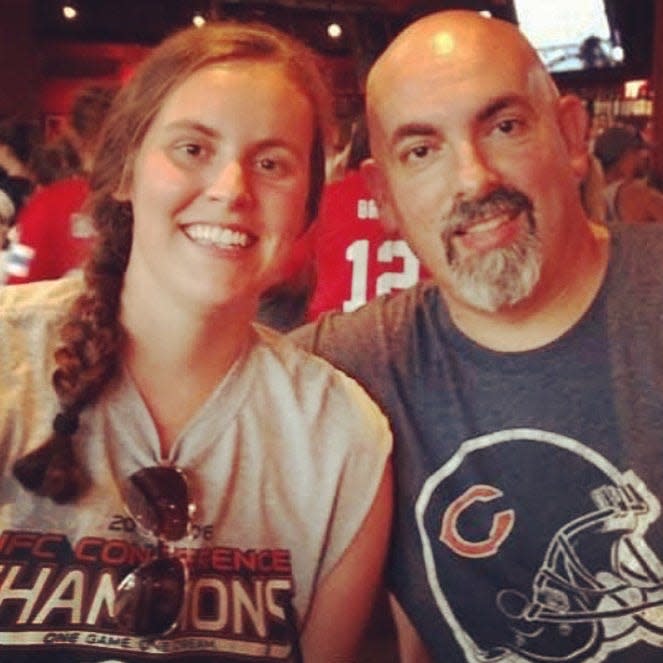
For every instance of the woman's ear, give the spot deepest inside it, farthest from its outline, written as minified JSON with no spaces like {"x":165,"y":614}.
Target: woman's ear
{"x":123,"y":192}
{"x":574,"y":125}
{"x":377,"y":185}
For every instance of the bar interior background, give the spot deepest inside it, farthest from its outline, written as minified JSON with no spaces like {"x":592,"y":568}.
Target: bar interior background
{"x":45,"y":57}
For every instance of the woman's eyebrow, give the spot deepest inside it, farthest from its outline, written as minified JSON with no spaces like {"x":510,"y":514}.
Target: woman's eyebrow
{"x":192,"y":125}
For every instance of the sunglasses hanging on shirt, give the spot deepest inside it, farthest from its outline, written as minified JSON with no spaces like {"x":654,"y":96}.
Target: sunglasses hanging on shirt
{"x":150,"y":600}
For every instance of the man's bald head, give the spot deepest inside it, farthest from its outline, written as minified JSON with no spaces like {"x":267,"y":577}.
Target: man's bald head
{"x":476,"y":157}
{"x":452,"y":45}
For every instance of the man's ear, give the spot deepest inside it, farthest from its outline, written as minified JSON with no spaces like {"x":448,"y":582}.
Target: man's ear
{"x":377,"y":185}
{"x":574,"y":125}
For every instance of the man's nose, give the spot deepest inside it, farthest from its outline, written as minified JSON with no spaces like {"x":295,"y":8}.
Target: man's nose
{"x":475,"y":176}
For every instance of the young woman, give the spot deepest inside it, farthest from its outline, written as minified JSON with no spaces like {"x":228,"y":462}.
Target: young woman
{"x":179,"y":483}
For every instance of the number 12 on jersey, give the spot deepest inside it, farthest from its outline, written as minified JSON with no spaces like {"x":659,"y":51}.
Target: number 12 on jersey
{"x":358,"y":254}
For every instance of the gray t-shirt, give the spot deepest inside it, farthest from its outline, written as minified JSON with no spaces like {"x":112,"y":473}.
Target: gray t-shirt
{"x":283,"y":462}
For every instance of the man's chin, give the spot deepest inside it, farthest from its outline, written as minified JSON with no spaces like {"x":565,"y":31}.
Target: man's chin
{"x":498,"y":281}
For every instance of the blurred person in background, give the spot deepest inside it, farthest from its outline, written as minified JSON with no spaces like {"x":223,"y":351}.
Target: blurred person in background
{"x":628,"y":196}
{"x":354,"y":258}
{"x":18,"y":141}
{"x":55,"y":160}
{"x":14,"y":191}
{"x":54,"y":224}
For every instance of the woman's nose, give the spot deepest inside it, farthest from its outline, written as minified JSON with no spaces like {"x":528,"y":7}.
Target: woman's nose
{"x":228,"y":183}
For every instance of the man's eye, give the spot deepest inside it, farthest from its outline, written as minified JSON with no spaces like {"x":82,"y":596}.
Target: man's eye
{"x":276,"y":167}
{"x":416,"y":154}
{"x":508,"y":126}
{"x":268,"y":164}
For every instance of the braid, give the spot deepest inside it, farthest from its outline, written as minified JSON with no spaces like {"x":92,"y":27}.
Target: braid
{"x":86,"y":361}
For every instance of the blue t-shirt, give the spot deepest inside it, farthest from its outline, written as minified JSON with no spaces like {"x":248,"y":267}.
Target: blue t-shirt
{"x":529,"y":484}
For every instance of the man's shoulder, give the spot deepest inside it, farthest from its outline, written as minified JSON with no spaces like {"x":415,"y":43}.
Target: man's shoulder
{"x":640,"y":201}
{"x":635,"y":276}
{"x":635,"y":240}
{"x":382,"y":322}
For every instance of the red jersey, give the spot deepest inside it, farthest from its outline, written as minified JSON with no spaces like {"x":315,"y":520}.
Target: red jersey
{"x":356,"y":259}
{"x":52,"y":224}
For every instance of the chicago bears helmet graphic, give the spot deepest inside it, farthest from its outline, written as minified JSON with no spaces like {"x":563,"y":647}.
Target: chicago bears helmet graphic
{"x":535,"y":550}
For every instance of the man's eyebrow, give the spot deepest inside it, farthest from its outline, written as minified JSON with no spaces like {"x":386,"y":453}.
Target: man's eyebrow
{"x":412,"y":129}
{"x":499,"y":104}
{"x":492,"y":108}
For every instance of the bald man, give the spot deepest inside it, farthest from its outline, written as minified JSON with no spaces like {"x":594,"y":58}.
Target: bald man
{"x":524,"y":382}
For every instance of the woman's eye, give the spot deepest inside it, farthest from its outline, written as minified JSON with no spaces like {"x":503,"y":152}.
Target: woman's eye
{"x":190,"y":151}
{"x":193,"y":149}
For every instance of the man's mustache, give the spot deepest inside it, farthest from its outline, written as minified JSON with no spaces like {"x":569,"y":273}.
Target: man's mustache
{"x":500,"y":202}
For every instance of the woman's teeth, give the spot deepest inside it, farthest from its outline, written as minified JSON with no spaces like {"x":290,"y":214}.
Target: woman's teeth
{"x":217,"y":235}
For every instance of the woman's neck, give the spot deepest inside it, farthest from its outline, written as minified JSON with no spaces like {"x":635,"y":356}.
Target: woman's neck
{"x":177,"y":359}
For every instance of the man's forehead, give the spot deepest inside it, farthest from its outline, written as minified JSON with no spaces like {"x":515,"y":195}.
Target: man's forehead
{"x":451,"y":43}
{"x":439,"y":86}
{"x":437,"y":68}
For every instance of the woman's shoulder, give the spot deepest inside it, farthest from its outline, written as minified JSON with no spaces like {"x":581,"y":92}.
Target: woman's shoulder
{"x":25,"y":298}
{"x":297,"y":363}
{"x":314,"y":384}
{"x":30,"y":316}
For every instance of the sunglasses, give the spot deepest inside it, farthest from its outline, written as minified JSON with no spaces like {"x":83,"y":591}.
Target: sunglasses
{"x":149,"y":601}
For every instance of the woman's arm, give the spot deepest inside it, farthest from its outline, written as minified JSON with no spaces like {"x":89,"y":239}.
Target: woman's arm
{"x":410,"y":647}
{"x":343,"y":602}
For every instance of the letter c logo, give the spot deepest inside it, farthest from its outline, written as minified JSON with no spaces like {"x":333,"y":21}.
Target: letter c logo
{"x":501,"y":527}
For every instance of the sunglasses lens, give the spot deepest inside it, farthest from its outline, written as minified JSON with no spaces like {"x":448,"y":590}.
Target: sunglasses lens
{"x":158,"y":498}
{"x":148,"y":601}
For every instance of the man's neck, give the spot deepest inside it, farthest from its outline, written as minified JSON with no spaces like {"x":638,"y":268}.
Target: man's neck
{"x":554,"y":307}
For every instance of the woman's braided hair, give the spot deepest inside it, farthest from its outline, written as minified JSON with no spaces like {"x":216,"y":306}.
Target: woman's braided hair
{"x":92,"y":334}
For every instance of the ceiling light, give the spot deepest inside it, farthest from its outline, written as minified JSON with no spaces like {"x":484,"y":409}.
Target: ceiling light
{"x":69,"y":12}
{"x":334,"y":30}
{"x":198,"y":20}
